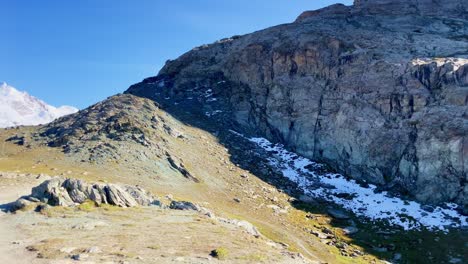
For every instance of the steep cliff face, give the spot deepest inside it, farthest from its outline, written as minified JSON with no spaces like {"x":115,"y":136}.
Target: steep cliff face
{"x":381,"y":96}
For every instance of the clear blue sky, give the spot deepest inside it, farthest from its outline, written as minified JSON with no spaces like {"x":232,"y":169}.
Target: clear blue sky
{"x":80,"y":52}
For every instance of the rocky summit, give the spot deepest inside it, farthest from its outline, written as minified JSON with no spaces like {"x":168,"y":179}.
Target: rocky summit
{"x":377,"y":90}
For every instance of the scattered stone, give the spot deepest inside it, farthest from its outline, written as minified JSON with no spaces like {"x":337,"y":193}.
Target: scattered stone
{"x":384,"y":232}
{"x":311,"y":216}
{"x":277,"y":209}
{"x":428,"y":208}
{"x":93,"y":250}
{"x":346,"y":196}
{"x":89,"y":225}
{"x":251,"y":229}
{"x":67,"y":250}
{"x":43,"y":177}
{"x":455,"y":260}
{"x":319,"y":234}
{"x":380,"y":249}
{"x":79,"y":257}
{"x":176,"y":205}
{"x":307,"y":199}
{"x":31,"y":249}
{"x":207,"y":212}
{"x":237,"y":200}
{"x":341,"y":245}
{"x":350,"y":230}
{"x":327,"y":231}
{"x":339,"y":214}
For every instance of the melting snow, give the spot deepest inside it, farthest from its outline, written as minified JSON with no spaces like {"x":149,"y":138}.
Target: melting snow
{"x":365,"y":201}
{"x":209,"y":114}
{"x":209,"y":93}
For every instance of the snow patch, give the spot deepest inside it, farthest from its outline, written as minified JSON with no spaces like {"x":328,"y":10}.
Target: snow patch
{"x":363,"y":201}
{"x":215,"y":112}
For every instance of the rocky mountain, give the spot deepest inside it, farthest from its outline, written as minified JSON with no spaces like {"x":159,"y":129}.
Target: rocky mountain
{"x":377,"y":90}
{"x":20,"y":108}
{"x":302,"y":143}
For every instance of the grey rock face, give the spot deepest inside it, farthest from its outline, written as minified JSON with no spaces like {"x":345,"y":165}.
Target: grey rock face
{"x":180,"y":167}
{"x":451,"y":8}
{"x":379,"y":96}
{"x":69,"y":192}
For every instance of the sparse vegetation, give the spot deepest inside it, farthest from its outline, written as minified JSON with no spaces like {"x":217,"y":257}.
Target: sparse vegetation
{"x":87,"y":206}
{"x":220,"y":253}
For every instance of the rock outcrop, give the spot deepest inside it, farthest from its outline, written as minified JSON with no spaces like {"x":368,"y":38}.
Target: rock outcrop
{"x":70,"y":192}
{"x":379,"y":91}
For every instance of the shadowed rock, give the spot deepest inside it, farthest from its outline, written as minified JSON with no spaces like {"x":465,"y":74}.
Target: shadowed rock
{"x":181,"y":205}
{"x":180,"y":167}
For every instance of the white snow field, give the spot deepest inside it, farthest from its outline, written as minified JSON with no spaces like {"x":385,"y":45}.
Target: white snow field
{"x":20,"y":108}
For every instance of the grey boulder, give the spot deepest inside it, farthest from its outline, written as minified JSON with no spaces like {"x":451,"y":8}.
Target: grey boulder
{"x":69,"y":192}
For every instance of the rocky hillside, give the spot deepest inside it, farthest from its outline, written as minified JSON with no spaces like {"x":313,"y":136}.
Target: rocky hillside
{"x":378,"y":91}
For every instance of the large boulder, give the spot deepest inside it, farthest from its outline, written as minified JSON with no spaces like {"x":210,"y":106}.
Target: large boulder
{"x":70,"y":192}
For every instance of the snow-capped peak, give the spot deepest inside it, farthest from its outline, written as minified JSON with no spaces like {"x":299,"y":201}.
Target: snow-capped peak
{"x":20,"y":108}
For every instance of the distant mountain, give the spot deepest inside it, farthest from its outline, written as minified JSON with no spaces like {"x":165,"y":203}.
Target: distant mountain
{"x":20,"y":108}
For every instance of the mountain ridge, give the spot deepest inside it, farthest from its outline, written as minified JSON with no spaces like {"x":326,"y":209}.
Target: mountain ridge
{"x":20,"y":108}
